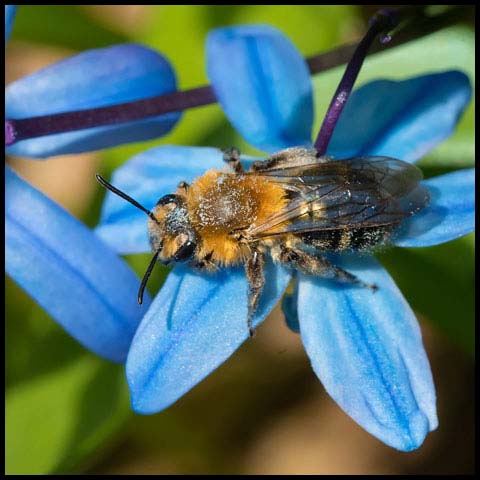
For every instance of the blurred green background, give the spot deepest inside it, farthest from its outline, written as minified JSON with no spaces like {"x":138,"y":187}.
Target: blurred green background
{"x":263,"y":411}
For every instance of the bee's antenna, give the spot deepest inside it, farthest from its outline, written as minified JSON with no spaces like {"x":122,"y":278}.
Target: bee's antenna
{"x":123,"y":195}
{"x":147,"y":276}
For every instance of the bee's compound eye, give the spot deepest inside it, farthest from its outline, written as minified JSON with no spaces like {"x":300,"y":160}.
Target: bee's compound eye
{"x":185,"y":252}
{"x":171,"y":198}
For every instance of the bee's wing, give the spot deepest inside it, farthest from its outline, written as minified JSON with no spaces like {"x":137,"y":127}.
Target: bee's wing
{"x":337,"y":194}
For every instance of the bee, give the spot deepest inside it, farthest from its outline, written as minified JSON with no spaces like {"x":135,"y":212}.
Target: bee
{"x":294,"y":206}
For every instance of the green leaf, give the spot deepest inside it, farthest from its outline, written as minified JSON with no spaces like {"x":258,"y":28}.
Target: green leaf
{"x":55,"y":420}
{"x":34,"y":344}
{"x":438,"y":282}
{"x":62,"y":403}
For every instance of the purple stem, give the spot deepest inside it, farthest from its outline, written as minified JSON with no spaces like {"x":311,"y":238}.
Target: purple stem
{"x":21,"y":129}
{"x":383,"y":20}
{"x":24,"y":128}
{"x":10,"y":134}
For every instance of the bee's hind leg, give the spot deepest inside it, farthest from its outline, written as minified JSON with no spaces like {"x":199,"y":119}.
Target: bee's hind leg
{"x":232,"y":157}
{"x":316,"y":264}
{"x":256,"y":282}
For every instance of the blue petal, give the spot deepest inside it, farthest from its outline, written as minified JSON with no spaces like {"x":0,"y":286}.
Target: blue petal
{"x":10,"y":11}
{"x":146,"y":178}
{"x":72,"y":274}
{"x":404,"y":119}
{"x":263,"y":84}
{"x":450,"y":215}
{"x":366,"y":348}
{"x":94,"y":78}
{"x":194,"y":324}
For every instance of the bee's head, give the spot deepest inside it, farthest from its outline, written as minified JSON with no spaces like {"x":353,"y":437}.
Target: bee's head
{"x":171,"y":236}
{"x":171,"y":233}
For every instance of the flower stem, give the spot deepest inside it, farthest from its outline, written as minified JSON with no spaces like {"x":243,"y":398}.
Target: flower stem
{"x":381,"y":22}
{"x":25,"y":128}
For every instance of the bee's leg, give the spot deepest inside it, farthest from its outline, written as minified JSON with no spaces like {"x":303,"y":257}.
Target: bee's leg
{"x":232,"y":157}
{"x":204,"y":264}
{"x":278,"y":160}
{"x":256,"y":281}
{"x":183,"y":185}
{"x":290,"y":157}
{"x":316,"y":264}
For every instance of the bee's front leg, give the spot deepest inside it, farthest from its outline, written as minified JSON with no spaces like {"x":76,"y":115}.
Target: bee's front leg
{"x":232,"y":157}
{"x":256,"y":281}
{"x":183,"y":186}
{"x":204,"y":264}
{"x":316,"y":264}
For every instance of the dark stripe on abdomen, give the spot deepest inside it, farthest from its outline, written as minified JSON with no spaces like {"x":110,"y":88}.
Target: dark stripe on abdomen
{"x":348,"y":239}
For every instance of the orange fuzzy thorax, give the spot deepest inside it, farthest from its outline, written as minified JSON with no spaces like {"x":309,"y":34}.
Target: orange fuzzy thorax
{"x":221,"y":203}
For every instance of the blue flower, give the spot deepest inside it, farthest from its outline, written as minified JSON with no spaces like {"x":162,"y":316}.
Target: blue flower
{"x":69,"y":271}
{"x":365,"y":348}
{"x":58,"y":261}
{"x":94,"y":78}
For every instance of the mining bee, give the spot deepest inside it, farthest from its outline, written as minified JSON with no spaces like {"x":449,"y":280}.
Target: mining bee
{"x":294,"y":206}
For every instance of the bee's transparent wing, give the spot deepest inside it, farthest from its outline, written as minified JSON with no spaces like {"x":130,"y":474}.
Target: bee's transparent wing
{"x":338,"y":194}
